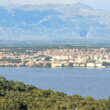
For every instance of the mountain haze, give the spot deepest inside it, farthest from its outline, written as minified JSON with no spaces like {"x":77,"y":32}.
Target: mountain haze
{"x":51,"y":21}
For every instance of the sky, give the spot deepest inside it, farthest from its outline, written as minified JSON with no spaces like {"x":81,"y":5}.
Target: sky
{"x":97,"y":4}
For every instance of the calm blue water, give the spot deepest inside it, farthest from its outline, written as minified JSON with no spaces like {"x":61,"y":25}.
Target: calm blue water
{"x":85,"y":82}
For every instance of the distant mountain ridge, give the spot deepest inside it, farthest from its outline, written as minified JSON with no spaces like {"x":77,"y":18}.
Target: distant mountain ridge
{"x":51,"y":22}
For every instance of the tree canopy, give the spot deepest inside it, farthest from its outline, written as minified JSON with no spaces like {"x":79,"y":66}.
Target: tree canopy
{"x":18,"y":96}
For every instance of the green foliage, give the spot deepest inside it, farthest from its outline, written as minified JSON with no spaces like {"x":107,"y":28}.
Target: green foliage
{"x":47,"y":58}
{"x":18,"y":96}
{"x":105,"y":64}
{"x":48,"y":65}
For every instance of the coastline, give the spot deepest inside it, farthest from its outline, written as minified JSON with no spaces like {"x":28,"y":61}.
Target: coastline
{"x":51,"y":67}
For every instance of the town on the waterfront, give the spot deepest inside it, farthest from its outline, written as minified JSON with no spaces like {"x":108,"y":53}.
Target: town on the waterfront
{"x":55,"y":57}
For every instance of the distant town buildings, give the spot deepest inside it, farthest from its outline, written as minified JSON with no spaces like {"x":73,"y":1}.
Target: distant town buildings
{"x":89,"y":57}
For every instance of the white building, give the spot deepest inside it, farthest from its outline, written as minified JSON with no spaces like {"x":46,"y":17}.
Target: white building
{"x":99,"y":65}
{"x":58,"y":58}
{"x":90,"y":64}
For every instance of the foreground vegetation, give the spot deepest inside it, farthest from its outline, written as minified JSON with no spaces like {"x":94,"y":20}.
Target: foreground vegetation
{"x":18,"y":96}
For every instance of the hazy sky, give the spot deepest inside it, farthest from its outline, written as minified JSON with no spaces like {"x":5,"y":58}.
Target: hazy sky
{"x":98,"y":4}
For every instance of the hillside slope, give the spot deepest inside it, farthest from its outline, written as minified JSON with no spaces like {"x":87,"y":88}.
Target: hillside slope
{"x":49,"y":21}
{"x":18,"y":96}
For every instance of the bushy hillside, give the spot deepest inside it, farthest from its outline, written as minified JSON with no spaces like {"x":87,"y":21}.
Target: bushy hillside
{"x":18,"y":96}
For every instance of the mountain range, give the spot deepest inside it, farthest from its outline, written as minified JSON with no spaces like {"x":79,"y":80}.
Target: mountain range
{"x":53,"y":22}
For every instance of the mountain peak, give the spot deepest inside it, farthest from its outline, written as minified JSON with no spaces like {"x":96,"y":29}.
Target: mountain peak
{"x":81,"y":5}
{"x":53,"y":21}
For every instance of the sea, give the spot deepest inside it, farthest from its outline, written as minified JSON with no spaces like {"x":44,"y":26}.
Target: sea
{"x":82,"y":81}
